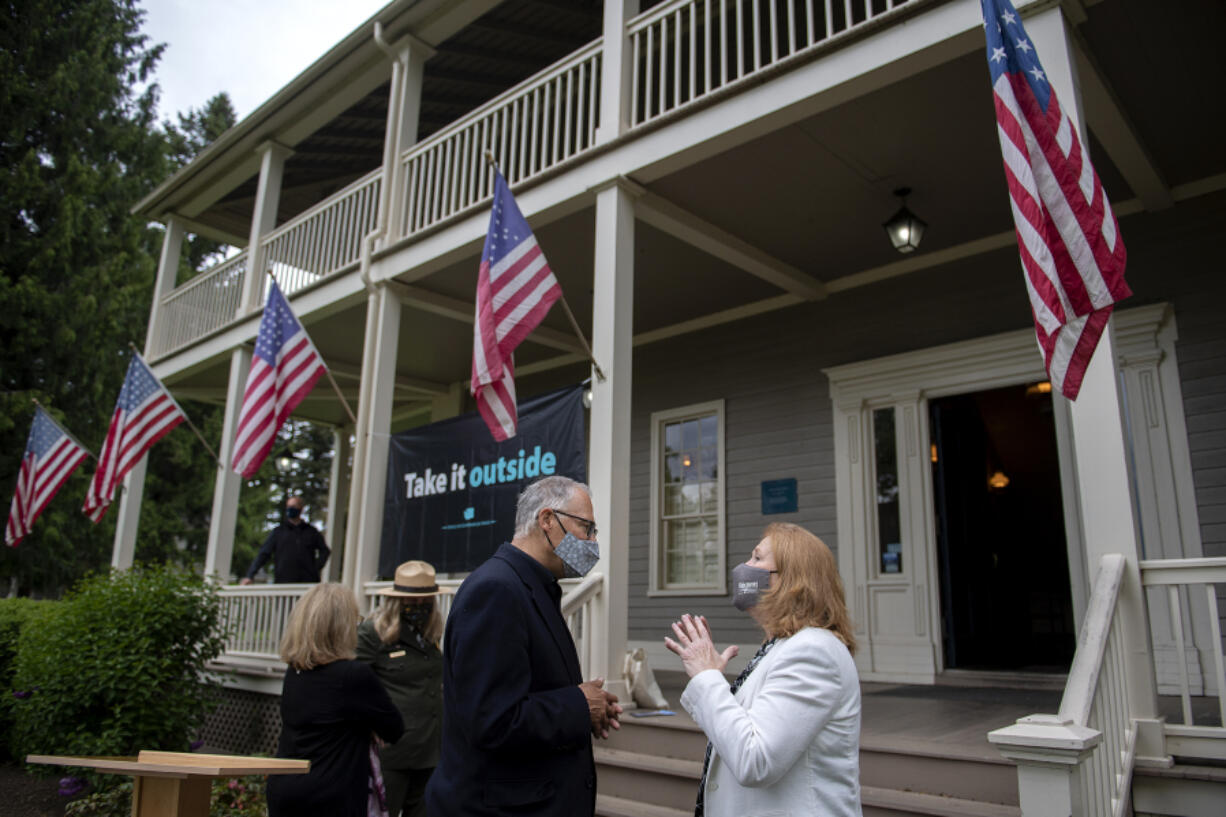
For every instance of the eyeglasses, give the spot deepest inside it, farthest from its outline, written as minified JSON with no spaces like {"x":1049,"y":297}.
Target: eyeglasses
{"x":590,"y":525}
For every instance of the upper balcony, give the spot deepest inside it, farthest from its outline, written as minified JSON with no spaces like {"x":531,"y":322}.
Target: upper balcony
{"x":522,"y":81}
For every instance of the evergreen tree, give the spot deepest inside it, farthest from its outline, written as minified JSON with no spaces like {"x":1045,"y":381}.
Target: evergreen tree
{"x":79,"y":148}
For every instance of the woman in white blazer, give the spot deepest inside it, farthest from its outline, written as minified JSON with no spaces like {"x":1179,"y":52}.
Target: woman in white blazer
{"x":784,"y":738}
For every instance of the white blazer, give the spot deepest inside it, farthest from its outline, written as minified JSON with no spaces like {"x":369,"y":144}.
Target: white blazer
{"x":788,"y":744}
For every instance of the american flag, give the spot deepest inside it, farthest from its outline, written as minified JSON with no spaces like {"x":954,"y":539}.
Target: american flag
{"x":51,"y":456}
{"x":144,"y":413}
{"x":515,"y":288}
{"x":284,"y":369}
{"x":1072,"y":252}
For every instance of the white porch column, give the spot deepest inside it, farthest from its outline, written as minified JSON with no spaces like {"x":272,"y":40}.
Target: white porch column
{"x":403,"y":116}
{"x":1049,"y":756}
{"x":1100,"y":445}
{"x":227,"y":485}
{"x":128,"y":513}
{"x":615,"y":70}
{"x":168,"y":267}
{"x":609,"y":467}
{"x":364,"y":526}
{"x":338,"y":502}
{"x":263,"y":220}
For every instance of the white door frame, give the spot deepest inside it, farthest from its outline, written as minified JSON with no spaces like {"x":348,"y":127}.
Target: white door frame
{"x":898,"y":616}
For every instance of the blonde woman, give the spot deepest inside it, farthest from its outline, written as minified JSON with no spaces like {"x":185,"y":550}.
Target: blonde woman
{"x":784,"y":738}
{"x":400,"y":643}
{"x":331,"y":706}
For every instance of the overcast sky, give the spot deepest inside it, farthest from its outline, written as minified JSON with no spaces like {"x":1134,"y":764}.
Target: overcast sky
{"x":248,"y":48}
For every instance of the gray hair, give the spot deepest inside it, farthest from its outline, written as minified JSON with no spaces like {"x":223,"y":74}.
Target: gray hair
{"x":548,"y":493}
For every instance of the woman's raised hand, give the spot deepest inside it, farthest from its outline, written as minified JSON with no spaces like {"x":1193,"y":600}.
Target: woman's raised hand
{"x":695,"y":647}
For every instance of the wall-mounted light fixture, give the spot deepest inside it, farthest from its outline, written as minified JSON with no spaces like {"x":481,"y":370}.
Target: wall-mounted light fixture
{"x":904,"y":228}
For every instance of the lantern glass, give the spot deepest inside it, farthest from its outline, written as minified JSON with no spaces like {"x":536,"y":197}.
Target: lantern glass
{"x":905,"y":230}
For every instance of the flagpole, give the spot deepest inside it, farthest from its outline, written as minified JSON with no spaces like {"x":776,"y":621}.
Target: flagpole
{"x":67,"y":433}
{"x":186,"y":419}
{"x":331,"y":379}
{"x":489,"y":157}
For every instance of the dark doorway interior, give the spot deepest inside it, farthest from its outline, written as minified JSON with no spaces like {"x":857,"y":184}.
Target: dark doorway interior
{"x":1005,"y":597}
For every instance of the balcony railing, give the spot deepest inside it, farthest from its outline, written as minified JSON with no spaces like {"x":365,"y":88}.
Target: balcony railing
{"x":536,"y":125}
{"x":688,"y":49}
{"x":204,"y":304}
{"x":326,"y":238}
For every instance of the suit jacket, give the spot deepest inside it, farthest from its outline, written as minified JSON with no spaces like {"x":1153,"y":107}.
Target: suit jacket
{"x":788,"y":744}
{"x":516,"y":729}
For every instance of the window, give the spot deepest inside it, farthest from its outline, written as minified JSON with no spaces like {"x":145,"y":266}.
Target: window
{"x":687,"y":501}
{"x":889,"y":524}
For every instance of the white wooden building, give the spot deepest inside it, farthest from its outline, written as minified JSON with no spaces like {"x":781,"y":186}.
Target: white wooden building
{"x":709,"y":180}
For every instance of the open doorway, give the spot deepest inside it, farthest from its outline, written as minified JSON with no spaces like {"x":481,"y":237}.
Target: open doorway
{"x":1006,"y":603}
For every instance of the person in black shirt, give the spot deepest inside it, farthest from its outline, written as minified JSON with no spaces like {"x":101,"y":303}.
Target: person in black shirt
{"x":332,"y":708}
{"x":297,"y":549}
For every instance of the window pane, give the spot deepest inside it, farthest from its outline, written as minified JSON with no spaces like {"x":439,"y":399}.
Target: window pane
{"x":672,"y":500}
{"x":889,"y":528}
{"x":710,"y":497}
{"x":689,"y":466}
{"x":672,"y":468}
{"x":690,"y":498}
{"x":672,"y":437}
{"x":710,"y":429}
{"x":689,"y":435}
{"x":710,"y":462}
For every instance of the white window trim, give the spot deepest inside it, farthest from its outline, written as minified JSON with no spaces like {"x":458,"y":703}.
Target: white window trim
{"x":658,"y":419}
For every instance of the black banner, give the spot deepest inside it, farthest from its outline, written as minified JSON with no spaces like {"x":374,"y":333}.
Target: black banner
{"x":451,"y":489}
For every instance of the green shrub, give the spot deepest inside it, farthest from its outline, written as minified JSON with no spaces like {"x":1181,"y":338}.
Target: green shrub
{"x":14,"y":615}
{"x":118,"y":666}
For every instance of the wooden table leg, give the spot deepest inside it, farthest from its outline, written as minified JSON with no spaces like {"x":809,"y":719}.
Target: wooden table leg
{"x":171,"y":796}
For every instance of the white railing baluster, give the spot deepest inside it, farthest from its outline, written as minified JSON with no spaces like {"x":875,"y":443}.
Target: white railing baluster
{"x":1219,"y":661}
{"x":1181,"y":656}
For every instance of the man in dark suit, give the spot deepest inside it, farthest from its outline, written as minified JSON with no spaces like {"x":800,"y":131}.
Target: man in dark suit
{"x":518,"y":719}
{"x":297,"y":549}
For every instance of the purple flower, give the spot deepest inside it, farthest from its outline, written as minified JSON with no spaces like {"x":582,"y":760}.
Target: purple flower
{"x":21,"y":695}
{"x":194,"y":745}
{"x":71,"y":786}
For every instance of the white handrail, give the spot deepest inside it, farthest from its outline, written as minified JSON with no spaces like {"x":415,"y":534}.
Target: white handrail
{"x":204,"y":304}
{"x":684,"y":50}
{"x":538,"y":124}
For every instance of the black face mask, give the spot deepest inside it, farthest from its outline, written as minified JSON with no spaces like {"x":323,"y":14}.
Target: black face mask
{"x":415,"y":617}
{"x":292,"y":512}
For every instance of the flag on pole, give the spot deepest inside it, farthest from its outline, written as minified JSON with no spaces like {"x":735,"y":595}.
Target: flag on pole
{"x":284,"y":369}
{"x":515,"y":288}
{"x":144,"y":413}
{"x":51,"y":456}
{"x":1072,"y":252}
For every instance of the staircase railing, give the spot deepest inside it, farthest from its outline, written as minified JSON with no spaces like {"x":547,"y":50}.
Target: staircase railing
{"x":1079,"y":762}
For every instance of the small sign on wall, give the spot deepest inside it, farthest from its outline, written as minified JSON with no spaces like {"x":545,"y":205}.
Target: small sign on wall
{"x":779,"y":496}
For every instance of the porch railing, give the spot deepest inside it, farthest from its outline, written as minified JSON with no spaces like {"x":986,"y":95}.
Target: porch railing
{"x":687,"y":49}
{"x":536,"y":125}
{"x":207,"y":302}
{"x":1190,"y":583}
{"x":254,"y":618}
{"x":326,"y":238}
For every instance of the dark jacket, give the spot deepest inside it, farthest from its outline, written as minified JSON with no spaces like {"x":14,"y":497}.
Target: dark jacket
{"x":298,"y":553}
{"x":412,"y":673}
{"x":516,"y":729}
{"x":327,"y":717}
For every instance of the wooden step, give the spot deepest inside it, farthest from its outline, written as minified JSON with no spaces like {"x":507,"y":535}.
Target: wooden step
{"x":609,"y":806}
{"x":937,"y":770}
{"x":663,"y":781}
{"x":881,"y":802}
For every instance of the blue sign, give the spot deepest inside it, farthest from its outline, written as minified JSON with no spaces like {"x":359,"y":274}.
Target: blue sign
{"x":451,"y":489}
{"x":779,"y":496}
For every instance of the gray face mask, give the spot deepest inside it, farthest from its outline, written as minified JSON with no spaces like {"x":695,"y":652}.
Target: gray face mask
{"x":748,"y":584}
{"x":578,"y":556}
